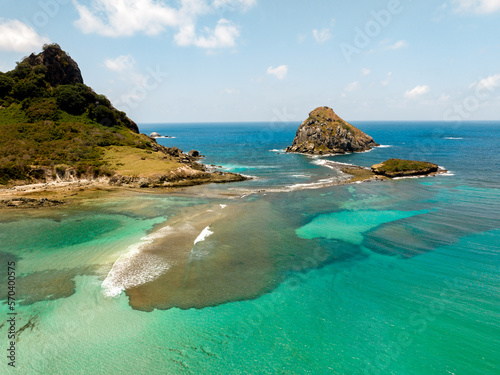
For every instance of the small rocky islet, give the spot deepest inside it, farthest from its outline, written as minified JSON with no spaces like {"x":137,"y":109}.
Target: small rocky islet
{"x":325,"y":133}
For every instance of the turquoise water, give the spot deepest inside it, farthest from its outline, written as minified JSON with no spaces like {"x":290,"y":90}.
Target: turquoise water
{"x":398,"y":277}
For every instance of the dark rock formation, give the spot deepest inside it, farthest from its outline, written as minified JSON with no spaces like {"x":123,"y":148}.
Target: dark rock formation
{"x":404,"y":168}
{"x":22,"y":202}
{"x":194,"y":153}
{"x":326,"y":133}
{"x":61,"y":69}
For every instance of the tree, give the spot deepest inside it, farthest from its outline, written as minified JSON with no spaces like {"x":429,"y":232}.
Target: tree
{"x":6,"y":84}
{"x":25,"y":89}
{"x":71,"y":98}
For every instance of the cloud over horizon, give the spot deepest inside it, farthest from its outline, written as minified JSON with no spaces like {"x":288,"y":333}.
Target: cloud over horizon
{"x":16,"y":36}
{"x":120,"y":63}
{"x":279,"y":72}
{"x":125,"y":18}
{"x":477,"y":6}
{"x":417,"y":91}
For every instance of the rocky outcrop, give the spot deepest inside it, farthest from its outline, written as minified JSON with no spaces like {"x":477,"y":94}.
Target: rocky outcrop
{"x":155,"y":135}
{"x":326,"y":133}
{"x":22,"y":202}
{"x":194,"y":153}
{"x":404,"y":168}
{"x":180,"y":177}
{"x":61,"y":68}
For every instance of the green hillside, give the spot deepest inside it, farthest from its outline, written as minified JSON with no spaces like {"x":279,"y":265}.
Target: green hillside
{"x":50,"y":119}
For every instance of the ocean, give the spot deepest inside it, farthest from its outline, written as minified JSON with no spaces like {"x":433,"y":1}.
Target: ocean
{"x":281,"y":274}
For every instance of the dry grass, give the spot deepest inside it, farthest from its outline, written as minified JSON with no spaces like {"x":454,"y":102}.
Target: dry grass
{"x":130,"y":161}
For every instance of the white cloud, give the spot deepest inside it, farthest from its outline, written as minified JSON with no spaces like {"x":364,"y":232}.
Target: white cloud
{"x":18,"y":37}
{"x":353,"y":86}
{"x":477,"y":6}
{"x":417,"y":91}
{"x":280,"y":72}
{"x":126,"y":17}
{"x":399,"y":44}
{"x":116,"y":18}
{"x":444,"y":97}
{"x":231,"y":91}
{"x":322,"y":35}
{"x":365,"y":71}
{"x":490,"y":83}
{"x":244,"y":4}
{"x":386,"y":81}
{"x":121,"y":63}
{"x":224,"y":35}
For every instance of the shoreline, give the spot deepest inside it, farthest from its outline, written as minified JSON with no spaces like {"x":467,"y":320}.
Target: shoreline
{"x":59,"y":193}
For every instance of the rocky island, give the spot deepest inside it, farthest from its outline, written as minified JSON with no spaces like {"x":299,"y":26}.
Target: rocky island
{"x":404,"y":168}
{"x":323,"y":132}
{"x":56,"y":131}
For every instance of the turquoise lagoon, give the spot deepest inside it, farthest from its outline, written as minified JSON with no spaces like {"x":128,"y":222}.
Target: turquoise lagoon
{"x":396,"y":277}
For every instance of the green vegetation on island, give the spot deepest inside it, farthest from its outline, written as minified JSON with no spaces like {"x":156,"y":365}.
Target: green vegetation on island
{"x":402,"y":168}
{"x":55,"y":128}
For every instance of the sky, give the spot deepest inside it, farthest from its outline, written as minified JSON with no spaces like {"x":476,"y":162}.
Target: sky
{"x":267,"y":60}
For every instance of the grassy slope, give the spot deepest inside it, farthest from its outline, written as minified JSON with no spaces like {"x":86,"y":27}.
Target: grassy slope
{"x":73,"y":141}
{"x":130,"y":161}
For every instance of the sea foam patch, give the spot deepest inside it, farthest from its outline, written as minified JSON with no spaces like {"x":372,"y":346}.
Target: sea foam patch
{"x":203,"y":235}
{"x":135,"y":267}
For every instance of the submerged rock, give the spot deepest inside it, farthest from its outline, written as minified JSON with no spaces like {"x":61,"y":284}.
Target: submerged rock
{"x":326,"y":133}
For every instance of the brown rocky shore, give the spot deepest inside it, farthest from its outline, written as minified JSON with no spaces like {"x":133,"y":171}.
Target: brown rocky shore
{"x":164,"y":169}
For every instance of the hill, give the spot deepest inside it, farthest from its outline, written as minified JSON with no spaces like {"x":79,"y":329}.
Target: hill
{"x":323,"y":132}
{"x":53,"y":127}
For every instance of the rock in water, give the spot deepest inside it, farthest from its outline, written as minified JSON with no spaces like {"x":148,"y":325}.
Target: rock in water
{"x":155,"y":135}
{"x":404,"y":168}
{"x":326,"y":133}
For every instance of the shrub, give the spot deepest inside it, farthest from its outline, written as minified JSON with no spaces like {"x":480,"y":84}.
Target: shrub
{"x":42,"y":110}
{"x":6,"y":84}
{"x":70,"y":98}
{"x":25,"y":89}
{"x":103,"y":115}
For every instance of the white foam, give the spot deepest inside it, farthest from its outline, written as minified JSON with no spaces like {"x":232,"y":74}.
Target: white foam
{"x":452,"y":138}
{"x":441,"y":172}
{"x":329,"y":164}
{"x":384,"y":146}
{"x":203,"y":235}
{"x":301,"y":175}
{"x":135,"y":268}
{"x":408,"y":177}
{"x":276,"y":150}
{"x":223,"y":206}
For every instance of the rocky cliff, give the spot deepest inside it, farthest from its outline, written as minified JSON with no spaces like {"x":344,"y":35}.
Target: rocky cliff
{"x":326,"y":133}
{"x":61,"y":69}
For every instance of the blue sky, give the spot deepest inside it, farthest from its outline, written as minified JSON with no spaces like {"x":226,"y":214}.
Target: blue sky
{"x":262,"y":60}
